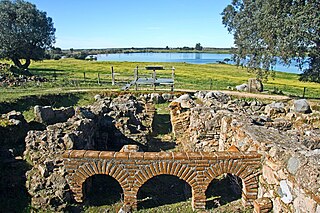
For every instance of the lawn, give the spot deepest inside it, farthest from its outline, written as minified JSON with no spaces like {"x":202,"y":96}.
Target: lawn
{"x":67,"y":75}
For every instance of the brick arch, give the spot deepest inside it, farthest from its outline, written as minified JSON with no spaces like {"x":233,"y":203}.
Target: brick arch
{"x":247,"y":173}
{"x":181,"y":171}
{"x":92,"y":168}
{"x":132,"y":170}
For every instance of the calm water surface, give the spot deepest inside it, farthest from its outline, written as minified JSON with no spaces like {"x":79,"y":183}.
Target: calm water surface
{"x":192,"y":58}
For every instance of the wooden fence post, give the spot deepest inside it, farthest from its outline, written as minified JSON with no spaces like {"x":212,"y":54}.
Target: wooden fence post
{"x":136,"y":77}
{"x":84,"y":77}
{"x":112,"y":77}
{"x":98,"y":78}
{"x":54,"y":75}
{"x":172,"y":74}
{"x":304,"y":92}
{"x":154,"y":79}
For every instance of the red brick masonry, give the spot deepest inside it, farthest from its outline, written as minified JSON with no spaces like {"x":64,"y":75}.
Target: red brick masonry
{"x":133,"y":169}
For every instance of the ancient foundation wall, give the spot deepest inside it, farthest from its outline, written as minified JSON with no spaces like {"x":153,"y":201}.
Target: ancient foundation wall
{"x":288,"y":141}
{"x":108,"y":124}
{"x":290,"y":173}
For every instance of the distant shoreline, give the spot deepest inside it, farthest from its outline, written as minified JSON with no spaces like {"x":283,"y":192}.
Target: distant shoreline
{"x":151,"y":50}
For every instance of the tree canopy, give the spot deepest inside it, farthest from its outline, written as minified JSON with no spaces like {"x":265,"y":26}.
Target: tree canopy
{"x":198,"y":47}
{"x":269,"y":30}
{"x":25,"y":32}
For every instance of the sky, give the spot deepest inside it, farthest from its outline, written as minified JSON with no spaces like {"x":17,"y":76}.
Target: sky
{"x":101,"y":24}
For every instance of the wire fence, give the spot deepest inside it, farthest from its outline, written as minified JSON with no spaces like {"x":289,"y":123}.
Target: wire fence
{"x":115,"y":79}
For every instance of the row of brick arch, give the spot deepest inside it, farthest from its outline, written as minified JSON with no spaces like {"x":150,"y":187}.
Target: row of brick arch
{"x":198,"y":180}
{"x":159,"y":190}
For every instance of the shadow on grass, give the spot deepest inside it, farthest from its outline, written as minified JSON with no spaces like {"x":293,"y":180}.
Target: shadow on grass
{"x":160,"y":139}
{"x":56,"y":101}
{"x":161,"y":124}
{"x":158,"y":145}
{"x":37,"y":71}
{"x":15,"y":197}
{"x":162,"y":190}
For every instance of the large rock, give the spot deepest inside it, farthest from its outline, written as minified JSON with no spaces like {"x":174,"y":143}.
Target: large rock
{"x":167,"y":97}
{"x":48,"y":115}
{"x":156,"y":98}
{"x":44,"y":114}
{"x":255,"y":85}
{"x":185,"y":101}
{"x":13,"y":129}
{"x":242,"y":87}
{"x":219,"y":96}
{"x":275,"y":109}
{"x":293,"y":165}
{"x":63,"y":114}
{"x":185,"y":97}
{"x":285,"y":192}
{"x":200,"y":95}
{"x":301,"y":106}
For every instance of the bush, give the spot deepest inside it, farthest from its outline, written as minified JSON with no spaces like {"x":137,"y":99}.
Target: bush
{"x":81,"y":55}
{"x":56,"y":57}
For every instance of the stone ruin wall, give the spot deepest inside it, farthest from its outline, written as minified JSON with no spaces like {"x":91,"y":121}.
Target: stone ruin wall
{"x":290,"y":172}
{"x":289,"y":142}
{"x":108,"y":124}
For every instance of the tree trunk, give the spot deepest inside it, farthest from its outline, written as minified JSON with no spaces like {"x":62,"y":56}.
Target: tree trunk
{"x":24,"y":66}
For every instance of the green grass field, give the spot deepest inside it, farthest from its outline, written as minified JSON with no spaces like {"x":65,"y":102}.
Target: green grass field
{"x":70,"y":77}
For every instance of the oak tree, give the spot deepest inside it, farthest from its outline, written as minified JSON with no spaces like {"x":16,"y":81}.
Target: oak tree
{"x":198,"y":47}
{"x":267,"y":31}
{"x":25,"y":32}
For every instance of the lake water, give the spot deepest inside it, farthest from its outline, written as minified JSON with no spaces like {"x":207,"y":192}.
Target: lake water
{"x":192,"y":58}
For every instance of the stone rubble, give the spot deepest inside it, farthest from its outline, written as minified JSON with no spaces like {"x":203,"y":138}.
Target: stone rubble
{"x":10,"y":81}
{"x":287,"y":134}
{"x":48,"y":115}
{"x":9,"y":78}
{"x":254,"y":85}
{"x":13,"y":129}
{"x":108,"y":124}
{"x":242,"y":87}
{"x":301,"y":106}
